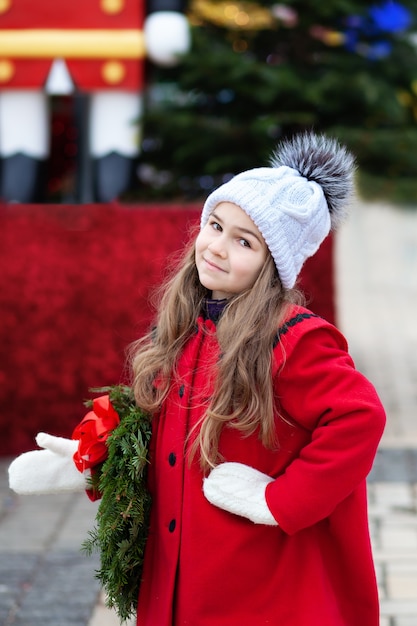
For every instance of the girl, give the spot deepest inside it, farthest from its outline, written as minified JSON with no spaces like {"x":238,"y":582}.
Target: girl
{"x":263,"y":431}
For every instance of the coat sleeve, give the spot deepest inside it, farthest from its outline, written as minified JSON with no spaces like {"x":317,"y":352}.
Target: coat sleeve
{"x":319,"y":389}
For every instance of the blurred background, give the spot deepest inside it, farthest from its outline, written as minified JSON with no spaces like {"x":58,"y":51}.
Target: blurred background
{"x":259,"y":71}
{"x":248,"y":75}
{"x":117,"y":118}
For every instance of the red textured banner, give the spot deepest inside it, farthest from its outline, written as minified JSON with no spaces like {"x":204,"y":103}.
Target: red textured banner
{"x":75,"y":283}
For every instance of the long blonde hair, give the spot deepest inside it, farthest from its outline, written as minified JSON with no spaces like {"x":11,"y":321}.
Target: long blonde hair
{"x":243,"y":393}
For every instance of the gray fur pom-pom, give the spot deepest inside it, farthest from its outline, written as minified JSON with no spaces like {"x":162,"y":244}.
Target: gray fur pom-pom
{"x":325,"y":161}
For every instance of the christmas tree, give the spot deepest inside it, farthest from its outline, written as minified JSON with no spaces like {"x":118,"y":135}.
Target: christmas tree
{"x":257,"y":73}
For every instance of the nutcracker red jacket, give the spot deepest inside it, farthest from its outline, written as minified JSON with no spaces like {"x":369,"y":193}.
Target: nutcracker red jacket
{"x":101,"y":42}
{"x":207,"y":567}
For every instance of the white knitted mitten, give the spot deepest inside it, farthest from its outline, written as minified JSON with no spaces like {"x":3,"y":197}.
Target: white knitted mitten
{"x":51,"y":470}
{"x":240,"y":489}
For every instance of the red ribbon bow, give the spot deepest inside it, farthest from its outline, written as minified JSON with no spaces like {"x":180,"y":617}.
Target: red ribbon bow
{"x":92,"y":433}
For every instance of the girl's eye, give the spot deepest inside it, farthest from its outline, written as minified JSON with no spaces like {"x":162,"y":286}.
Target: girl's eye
{"x":216,"y":226}
{"x":245,"y":243}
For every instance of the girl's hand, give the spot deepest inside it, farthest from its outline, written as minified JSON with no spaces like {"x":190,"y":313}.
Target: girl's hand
{"x":240,"y":489}
{"x":51,"y":470}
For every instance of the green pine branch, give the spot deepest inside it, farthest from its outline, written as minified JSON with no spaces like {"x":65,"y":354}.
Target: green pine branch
{"x":122,"y":518}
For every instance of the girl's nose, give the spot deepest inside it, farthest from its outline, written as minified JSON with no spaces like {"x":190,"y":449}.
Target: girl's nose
{"x":217,"y":247}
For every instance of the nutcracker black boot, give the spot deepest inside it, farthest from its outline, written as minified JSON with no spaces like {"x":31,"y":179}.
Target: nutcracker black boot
{"x":22,"y":179}
{"x":113,"y":175}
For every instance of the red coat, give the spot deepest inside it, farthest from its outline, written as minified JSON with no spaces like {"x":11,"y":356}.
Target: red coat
{"x":100,"y":40}
{"x":207,"y":567}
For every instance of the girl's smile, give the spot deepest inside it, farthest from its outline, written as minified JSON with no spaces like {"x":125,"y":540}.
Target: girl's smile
{"x":230,"y":251}
{"x":213,"y":265}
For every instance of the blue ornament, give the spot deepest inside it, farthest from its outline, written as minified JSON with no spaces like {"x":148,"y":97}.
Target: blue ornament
{"x":379,"y":50}
{"x":390,"y":17}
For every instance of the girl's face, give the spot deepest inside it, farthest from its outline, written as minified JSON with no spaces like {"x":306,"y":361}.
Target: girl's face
{"x":229,"y":251}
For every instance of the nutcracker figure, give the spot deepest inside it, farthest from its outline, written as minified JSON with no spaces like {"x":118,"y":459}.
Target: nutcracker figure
{"x":94,"y":47}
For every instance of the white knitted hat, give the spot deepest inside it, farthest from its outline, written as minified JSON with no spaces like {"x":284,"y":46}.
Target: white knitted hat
{"x":295,"y":202}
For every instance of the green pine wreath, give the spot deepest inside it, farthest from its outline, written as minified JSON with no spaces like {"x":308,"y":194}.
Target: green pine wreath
{"x":122,"y":520}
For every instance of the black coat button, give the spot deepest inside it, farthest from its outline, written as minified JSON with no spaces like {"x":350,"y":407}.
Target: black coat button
{"x":172,"y":459}
{"x":181,"y":391}
{"x":171,"y":526}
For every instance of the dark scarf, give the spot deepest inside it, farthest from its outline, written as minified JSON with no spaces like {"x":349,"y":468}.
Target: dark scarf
{"x":213,"y":309}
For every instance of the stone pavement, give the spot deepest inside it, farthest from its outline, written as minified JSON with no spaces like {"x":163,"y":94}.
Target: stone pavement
{"x":46,"y":581}
{"x":44,"y":578}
